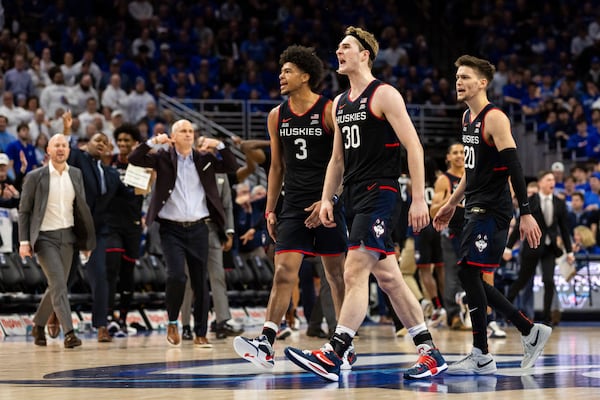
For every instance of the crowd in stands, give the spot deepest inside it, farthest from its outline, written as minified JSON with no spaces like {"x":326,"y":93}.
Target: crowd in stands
{"x":107,"y":63}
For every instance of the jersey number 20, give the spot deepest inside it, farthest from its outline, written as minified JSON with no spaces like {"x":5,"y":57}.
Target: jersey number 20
{"x":469,"y":157}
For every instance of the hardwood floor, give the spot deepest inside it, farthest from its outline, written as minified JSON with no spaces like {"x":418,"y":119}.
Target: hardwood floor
{"x":147,"y":367}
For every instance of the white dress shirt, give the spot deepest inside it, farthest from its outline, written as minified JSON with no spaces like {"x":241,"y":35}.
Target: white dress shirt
{"x":61,"y":196}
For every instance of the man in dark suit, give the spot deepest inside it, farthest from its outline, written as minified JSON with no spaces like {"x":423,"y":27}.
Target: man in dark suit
{"x":550,"y":212}
{"x":101,"y":183}
{"x":54,"y":219}
{"x":185,"y":195}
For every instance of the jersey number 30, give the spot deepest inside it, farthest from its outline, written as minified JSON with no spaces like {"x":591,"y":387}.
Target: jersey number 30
{"x":352,"y":136}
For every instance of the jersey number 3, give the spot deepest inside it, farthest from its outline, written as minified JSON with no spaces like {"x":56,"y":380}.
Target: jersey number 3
{"x":302,"y":151}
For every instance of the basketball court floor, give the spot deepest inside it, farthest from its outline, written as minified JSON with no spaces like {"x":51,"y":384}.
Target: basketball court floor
{"x":147,"y":367}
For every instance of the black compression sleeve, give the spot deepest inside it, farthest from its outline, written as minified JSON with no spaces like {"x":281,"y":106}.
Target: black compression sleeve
{"x":509,"y":157}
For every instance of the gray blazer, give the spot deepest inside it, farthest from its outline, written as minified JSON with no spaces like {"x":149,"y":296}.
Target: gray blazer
{"x":224,"y":189}
{"x":34,"y":199}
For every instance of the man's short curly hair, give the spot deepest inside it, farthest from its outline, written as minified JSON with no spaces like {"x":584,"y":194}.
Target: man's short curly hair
{"x":305,"y":59}
{"x":129,"y":129}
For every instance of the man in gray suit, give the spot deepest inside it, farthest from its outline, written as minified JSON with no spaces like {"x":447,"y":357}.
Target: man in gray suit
{"x":54,"y":220}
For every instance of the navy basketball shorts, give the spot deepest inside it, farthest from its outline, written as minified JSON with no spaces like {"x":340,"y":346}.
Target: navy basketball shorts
{"x":428,"y":245}
{"x":483,"y":240}
{"x":126,"y":240}
{"x":370,"y":206}
{"x":294,"y":236}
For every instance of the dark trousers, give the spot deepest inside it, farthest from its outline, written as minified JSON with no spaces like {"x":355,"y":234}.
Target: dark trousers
{"x":529,"y":260}
{"x":98,"y":279}
{"x":180,"y":245}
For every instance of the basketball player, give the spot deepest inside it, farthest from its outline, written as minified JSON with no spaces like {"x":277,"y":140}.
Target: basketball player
{"x":490,"y":160}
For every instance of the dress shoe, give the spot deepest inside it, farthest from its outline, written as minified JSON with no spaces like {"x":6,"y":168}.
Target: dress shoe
{"x":319,"y":333}
{"x":202,"y":341}
{"x":53,"y":326}
{"x":71,"y":341}
{"x":173,"y":334}
{"x":224,"y":329}
{"x":38,"y":335}
{"x":103,"y":335}
{"x":186,"y":333}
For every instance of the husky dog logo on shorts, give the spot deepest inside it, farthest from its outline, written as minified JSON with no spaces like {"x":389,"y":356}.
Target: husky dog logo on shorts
{"x":379,"y":228}
{"x":482,"y":242}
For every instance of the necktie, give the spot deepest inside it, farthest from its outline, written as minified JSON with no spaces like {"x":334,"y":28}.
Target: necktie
{"x":547,"y":210}
{"x":102,"y":180}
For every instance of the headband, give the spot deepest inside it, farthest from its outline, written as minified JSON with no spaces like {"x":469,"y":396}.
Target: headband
{"x":364,"y":44}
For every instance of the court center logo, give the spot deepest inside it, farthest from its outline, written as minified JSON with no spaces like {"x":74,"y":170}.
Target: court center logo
{"x":381,"y":370}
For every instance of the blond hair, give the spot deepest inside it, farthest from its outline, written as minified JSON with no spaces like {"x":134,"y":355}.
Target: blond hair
{"x":366,"y":40}
{"x":586,"y":234}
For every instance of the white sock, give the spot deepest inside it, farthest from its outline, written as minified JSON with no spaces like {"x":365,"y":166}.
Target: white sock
{"x":344,"y":329}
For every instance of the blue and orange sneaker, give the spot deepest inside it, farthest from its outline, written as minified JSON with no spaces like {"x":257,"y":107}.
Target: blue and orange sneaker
{"x":258,"y":350}
{"x":323,"y":362}
{"x":429,"y":363}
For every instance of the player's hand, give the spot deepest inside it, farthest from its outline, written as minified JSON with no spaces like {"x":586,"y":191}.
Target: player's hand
{"x":313,"y":220}
{"x":326,"y":214}
{"x":249,"y":235}
{"x":272,"y":225}
{"x":228,"y":243}
{"x":67,"y":118}
{"x":443,"y":217}
{"x":530,"y":230}
{"x":418,"y":215}
{"x":25,"y":250}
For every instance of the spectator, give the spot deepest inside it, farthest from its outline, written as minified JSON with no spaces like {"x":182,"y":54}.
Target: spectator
{"x":254,"y":48}
{"x":46,"y":60}
{"x":577,"y":215}
{"x":580,"y":41}
{"x":39,"y":77}
{"x":145,"y":40}
{"x":56,"y":94}
{"x":91,"y":115}
{"x":17,"y":79}
{"x":114,"y":97}
{"x":14,"y":114}
{"x":558,"y":169}
{"x":581,"y":144}
{"x":87,"y":65}
{"x":594,"y":71}
{"x":591,"y":197}
{"x":80,"y":93}
{"x":137,"y":101}
{"x":21,"y":151}
{"x":141,"y":10}
{"x":68,"y":69}
{"x":249,"y":223}
{"x":41,"y":145}
{"x":39,"y":125}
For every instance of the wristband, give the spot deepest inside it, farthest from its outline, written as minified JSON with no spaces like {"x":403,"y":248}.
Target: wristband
{"x":267,"y":214}
{"x":335,"y":199}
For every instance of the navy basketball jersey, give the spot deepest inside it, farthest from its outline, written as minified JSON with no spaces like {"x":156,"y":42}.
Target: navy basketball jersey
{"x":371,"y":147}
{"x":307,"y":145}
{"x":487,"y":176}
{"x":458,"y":218}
